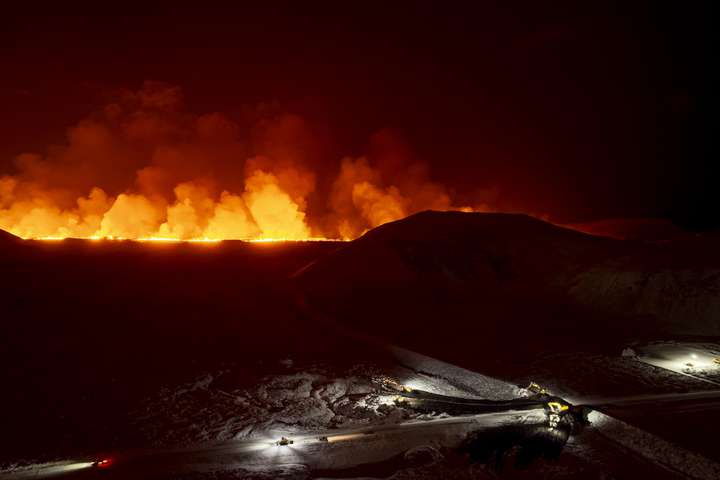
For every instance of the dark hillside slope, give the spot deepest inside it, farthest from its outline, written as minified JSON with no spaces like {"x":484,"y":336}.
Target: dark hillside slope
{"x":9,"y":243}
{"x":457,"y":283}
{"x":6,"y":237}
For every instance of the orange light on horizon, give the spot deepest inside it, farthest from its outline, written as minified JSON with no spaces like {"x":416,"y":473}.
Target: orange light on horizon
{"x":280,"y":240}
{"x":96,"y":238}
{"x":176,"y":240}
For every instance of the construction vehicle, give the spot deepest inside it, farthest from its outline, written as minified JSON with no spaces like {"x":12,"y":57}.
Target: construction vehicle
{"x":557,"y":409}
{"x":284,"y":441}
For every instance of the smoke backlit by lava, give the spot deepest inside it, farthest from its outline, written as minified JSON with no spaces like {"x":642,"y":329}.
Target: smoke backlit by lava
{"x":144,"y":169}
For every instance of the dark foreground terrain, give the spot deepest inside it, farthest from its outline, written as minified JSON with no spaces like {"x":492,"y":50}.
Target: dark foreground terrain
{"x":88,"y":329}
{"x":125,"y":346}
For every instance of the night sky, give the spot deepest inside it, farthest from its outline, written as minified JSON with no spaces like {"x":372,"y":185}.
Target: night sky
{"x":577,"y":111}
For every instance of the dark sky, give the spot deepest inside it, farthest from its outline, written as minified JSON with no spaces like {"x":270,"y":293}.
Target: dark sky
{"x":583,"y":111}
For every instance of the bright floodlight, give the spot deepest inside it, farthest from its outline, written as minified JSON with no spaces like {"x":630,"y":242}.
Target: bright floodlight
{"x":51,"y":469}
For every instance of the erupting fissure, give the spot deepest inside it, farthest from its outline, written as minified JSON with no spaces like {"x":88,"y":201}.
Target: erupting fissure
{"x":143,"y":169}
{"x":190,"y":240}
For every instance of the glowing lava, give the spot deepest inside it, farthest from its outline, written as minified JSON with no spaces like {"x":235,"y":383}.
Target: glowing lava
{"x":141,"y":168}
{"x":191,"y":240}
{"x":263,"y":213}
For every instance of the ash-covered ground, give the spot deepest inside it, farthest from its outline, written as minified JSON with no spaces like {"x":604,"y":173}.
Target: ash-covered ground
{"x":294,"y":399}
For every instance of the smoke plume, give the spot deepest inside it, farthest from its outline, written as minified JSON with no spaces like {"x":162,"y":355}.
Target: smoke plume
{"x":143,"y":167}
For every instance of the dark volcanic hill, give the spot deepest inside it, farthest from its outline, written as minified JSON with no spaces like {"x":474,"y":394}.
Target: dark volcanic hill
{"x":8,"y":240}
{"x":6,"y":237}
{"x":12,"y":248}
{"x":454,"y":282}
